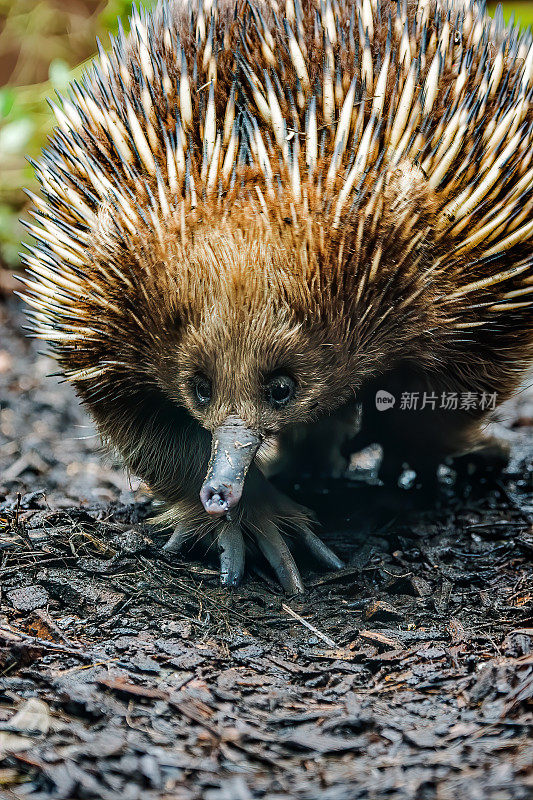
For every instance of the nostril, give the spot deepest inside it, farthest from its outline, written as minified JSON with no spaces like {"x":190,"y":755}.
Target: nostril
{"x":217,"y":500}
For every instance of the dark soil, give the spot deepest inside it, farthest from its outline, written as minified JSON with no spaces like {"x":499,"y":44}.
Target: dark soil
{"x":125,"y":673}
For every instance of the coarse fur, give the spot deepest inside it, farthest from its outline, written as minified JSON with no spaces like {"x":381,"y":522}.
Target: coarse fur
{"x":339,"y":191}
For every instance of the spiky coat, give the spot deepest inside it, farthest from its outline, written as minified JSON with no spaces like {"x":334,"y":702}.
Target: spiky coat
{"x":352,"y":181}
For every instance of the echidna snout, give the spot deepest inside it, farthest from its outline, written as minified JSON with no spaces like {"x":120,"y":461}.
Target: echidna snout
{"x":233,"y":449}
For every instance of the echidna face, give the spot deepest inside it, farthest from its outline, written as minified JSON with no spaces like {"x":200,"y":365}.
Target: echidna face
{"x":246,"y":372}
{"x":260,"y":367}
{"x":243,"y":347}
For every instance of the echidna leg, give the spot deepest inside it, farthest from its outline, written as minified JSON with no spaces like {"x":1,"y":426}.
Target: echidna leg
{"x":180,"y":539}
{"x":489,"y":455}
{"x":231,"y":549}
{"x":274,"y":548}
{"x":317,"y":450}
{"x":459,"y":440}
{"x":226,"y":535}
{"x":274,"y":520}
{"x":230,"y":544}
{"x":391,"y":467}
{"x":424,"y":436}
{"x":263,"y":512}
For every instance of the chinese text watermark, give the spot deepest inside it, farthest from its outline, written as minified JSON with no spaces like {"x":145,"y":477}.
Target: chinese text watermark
{"x":443,"y":401}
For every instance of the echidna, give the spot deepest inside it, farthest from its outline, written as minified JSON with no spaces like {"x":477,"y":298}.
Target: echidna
{"x":255,"y":215}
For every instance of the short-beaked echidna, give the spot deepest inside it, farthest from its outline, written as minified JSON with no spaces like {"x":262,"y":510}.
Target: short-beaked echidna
{"x":255,"y":215}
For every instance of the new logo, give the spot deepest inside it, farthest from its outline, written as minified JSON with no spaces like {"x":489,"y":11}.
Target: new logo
{"x":384,"y":400}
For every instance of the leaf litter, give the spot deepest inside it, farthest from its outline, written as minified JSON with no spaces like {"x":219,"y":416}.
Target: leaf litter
{"x":407,"y":675}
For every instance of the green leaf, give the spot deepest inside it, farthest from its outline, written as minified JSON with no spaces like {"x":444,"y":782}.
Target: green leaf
{"x":7,"y":99}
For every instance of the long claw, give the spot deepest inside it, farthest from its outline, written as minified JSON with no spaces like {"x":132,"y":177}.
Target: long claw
{"x":231,"y":548}
{"x":320,"y":551}
{"x":278,"y":555}
{"x":177,"y":541}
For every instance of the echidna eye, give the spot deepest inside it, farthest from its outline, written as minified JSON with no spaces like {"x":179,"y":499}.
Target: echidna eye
{"x":280,"y":390}
{"x":202,"y":389}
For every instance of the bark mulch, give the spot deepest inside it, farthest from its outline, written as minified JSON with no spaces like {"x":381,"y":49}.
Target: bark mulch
{"x":407,"y":675}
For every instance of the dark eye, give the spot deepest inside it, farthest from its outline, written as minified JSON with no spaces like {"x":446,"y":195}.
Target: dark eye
{"x":202,"y":389}
{"x":280,"y":390}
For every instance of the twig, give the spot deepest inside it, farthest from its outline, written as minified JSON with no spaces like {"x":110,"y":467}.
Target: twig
{"x":310,"y":627}
{"x":15,"y":637}
{"x":51,"y":625}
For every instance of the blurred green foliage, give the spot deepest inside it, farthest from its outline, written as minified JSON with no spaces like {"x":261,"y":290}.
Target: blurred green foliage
{"x":522,"y":12}
{"x":45,"y":44}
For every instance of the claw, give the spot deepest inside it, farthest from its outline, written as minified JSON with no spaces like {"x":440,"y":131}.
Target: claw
{"x":278,"y":555}
{"x":177,"y":541}
{"x":231,"y":549}
{"x":320,"y":551}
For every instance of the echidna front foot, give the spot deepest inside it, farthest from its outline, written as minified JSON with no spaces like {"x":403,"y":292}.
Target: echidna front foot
{"x":181,"y":537}
{"x":231,"y":549}
{"x":284,"y":527}
{"x":274,"y":548}
{"x":229,"y":540}
{"x":489,"y":457}
{"x":321,"y":450}
{"x":275,"y":521}
{"x":266,"y":523}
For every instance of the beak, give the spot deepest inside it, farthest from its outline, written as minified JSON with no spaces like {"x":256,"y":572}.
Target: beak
{"x":232,"y":451}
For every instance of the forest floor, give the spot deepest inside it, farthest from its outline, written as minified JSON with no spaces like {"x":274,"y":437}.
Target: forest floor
{"x":408,"y":675}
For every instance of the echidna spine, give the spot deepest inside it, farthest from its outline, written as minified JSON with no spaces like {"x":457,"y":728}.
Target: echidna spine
{"x":153,"y":134}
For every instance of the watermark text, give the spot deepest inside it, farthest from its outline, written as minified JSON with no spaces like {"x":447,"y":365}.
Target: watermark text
{"x":443,"y":401}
